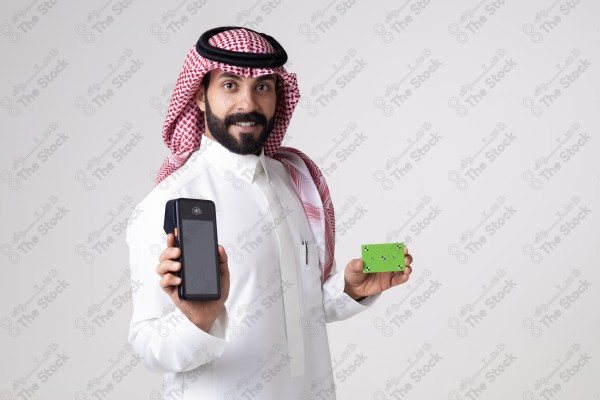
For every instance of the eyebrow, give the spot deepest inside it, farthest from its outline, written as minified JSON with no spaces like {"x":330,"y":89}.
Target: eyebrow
{"x":270,"y":77}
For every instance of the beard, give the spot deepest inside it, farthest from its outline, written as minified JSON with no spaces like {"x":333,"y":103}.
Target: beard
{"x":247,"y":144}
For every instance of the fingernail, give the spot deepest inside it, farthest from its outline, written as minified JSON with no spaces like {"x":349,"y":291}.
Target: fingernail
{"x":176,"y":264}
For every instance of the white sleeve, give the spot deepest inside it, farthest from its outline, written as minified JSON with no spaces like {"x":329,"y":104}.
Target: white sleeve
{"x":164,"y":338}
{"x":337,"y":304}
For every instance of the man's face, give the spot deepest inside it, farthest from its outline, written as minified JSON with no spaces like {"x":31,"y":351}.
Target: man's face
{"x":240,"y":112}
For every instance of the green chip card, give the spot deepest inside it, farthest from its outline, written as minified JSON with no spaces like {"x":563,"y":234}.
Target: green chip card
{"x":384,"y":257}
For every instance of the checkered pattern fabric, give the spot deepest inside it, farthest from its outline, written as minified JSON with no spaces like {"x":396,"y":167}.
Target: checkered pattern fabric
{"x":184,"y":127}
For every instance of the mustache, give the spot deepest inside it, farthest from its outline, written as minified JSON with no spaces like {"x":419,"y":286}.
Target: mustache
{"x":246,"y":117}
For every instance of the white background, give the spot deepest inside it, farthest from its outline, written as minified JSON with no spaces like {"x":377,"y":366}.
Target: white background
{"x":488,"y":169}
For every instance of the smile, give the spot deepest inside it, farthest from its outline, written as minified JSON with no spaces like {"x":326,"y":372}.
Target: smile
{"x":245,"y":124}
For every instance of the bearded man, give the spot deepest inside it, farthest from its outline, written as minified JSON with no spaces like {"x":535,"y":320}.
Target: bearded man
{"x":265,"y":338}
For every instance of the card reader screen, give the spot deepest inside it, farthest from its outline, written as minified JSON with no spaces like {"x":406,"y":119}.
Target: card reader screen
{"x":199,"y":257}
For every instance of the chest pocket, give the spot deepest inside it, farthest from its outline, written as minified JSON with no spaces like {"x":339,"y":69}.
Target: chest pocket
{"x":310,"y":279}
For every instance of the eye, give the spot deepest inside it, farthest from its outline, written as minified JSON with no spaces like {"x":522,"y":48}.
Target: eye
{"x":229,"y":85}
{"x":263,"y":87}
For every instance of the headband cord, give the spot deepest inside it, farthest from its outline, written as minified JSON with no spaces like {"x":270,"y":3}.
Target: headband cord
{"x":239,"y":58}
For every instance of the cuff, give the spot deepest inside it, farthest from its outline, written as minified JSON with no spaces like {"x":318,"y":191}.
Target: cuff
{"x":210,"y":345}
{"x":370,"y":301}
{"x":340,"y":305}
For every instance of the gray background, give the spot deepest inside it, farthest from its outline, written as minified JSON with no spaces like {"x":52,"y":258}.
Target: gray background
{"x":506,"y":255}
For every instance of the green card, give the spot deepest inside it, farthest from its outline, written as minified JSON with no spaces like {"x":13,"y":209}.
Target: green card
{"x":384,"y":257}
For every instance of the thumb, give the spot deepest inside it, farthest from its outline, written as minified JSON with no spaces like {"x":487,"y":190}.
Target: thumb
{"x":356,"y":265}
{"x":222,"y":255}
{"x":224,"y":272}
{"x":223,"y":264}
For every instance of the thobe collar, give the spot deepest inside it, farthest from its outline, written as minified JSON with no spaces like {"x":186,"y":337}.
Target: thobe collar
{"x":247,"y":166}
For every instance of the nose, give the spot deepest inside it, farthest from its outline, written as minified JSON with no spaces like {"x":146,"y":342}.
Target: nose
{"x":246,"y":101}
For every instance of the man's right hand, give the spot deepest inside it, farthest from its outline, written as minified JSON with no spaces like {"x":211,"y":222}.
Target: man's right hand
{"x":202,"y":313}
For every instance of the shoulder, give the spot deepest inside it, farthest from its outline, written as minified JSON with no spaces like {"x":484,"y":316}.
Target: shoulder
{"x":149,"y":212}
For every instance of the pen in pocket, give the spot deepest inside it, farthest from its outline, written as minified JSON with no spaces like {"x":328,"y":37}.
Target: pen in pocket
{"x":305,"y":244}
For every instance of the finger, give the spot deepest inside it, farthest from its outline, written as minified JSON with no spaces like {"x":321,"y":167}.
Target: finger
{"x":408,"y":259}
{"x":169,"y":280}
{"x":170,"y":240}
{"x":222,"y":254}
{"x":385,"y":279}
{"x":408,"y":270}
{"x":224,"y":273}
{"x":170,"y":253}
{"x":223,"y":266}
{"x":168,"y":266}
{"x":405,"y":250}
{"x":398,"y":279}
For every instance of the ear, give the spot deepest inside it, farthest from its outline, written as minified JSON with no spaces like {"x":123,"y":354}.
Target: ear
{"x":199,"y":98}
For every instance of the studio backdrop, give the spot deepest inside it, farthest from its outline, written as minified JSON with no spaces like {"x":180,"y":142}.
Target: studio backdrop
{"x":467,"y":130}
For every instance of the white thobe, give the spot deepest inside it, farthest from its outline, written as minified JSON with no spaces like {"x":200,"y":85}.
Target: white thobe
{"x":246,"y":354}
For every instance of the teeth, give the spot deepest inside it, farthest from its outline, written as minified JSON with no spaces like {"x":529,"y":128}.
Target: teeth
{"x":246,"y":124}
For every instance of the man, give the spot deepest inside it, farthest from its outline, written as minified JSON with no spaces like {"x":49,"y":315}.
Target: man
{"x":265,"y":338}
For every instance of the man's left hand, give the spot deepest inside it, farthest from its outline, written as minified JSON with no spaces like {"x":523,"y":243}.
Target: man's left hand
{"x":359,"y":284}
